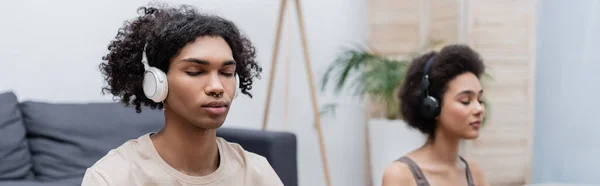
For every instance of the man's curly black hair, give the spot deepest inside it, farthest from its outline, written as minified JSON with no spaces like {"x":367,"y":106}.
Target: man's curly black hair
{"x":451,"y":61}
{"x":164,"y":31}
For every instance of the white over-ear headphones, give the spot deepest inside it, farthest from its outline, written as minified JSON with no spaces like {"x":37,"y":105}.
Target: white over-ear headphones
{"x":155,"y":82}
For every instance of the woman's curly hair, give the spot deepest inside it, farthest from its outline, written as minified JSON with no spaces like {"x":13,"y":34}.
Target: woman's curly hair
{"x":163,"y":32}
{"x":449,"y":62}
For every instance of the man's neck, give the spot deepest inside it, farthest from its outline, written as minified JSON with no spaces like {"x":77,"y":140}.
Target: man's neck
{"x":186,"y":148}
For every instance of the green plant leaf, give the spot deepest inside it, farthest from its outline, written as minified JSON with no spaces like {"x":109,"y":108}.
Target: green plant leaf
{"x":328,"y":109}
{"x":367,"y":74}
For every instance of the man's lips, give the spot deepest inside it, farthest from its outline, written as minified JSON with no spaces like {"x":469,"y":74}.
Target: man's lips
{"x":215,"y":104}
{"x":216,"y":107}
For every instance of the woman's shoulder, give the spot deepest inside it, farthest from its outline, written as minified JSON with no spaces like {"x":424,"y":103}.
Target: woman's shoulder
{"x":477,"y":172}
{"x":398,"y":173}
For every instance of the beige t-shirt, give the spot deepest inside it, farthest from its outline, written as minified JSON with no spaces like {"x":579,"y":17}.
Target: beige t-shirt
{"x":137,"y":163}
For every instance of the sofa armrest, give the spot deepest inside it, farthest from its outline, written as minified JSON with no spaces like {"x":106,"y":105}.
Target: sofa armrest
{"x":279,"y":148}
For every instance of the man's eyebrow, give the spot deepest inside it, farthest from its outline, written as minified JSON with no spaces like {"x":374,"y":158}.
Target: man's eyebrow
{"x":194,"y":60}
{"x":203,"y":62}
{"x":229,"y":62}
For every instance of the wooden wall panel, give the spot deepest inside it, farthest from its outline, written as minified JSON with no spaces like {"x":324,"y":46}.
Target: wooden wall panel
{"x":444,"y":23}
{"x":394,"y":28}
{"x":503,"y":32}
{"x":500,"y":28}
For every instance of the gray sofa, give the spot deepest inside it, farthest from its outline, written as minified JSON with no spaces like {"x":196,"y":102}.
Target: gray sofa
{"x":47,"y":144}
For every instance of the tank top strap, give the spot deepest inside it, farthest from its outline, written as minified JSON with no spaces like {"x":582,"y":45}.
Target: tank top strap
{"x":468,"y":171}
{"x":416,"y":171}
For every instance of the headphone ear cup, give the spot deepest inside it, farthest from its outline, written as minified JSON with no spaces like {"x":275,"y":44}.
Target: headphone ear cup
{"x":430,"y":107}
{"x":155,"y":84}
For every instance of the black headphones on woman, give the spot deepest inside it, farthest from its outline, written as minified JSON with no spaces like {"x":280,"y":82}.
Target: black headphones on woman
{"x":430,"y":107}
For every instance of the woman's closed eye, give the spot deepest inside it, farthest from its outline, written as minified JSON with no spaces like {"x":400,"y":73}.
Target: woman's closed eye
{"x":467,"y":102}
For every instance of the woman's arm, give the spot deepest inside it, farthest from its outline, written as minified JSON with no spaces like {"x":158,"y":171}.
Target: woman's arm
{"x":398,"y":174}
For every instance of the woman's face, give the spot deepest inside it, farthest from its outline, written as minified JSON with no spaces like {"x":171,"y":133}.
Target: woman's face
{"x":202,"y":82}
{"x":462,"y":109}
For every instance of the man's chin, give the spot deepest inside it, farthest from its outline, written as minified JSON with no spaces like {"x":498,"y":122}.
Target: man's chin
{"x":209,"y":123}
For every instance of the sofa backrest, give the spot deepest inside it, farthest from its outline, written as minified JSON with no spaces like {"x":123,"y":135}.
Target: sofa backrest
{"x":57,"y":142}
{"x":15,"y":160}
{"x":65,"y":139}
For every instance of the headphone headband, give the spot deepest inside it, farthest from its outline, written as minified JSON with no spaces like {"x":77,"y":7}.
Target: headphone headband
{"x":430,"y":107}
{"x":145,"y":58}
{"x":425,"y":80}
{"x":155,"y":84}
{"x":428,"y":65}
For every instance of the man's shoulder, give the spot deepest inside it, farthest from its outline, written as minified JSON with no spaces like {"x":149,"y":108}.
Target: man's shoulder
{"x":110,"y":170}
{"x":119,"y":156}
{"x":115,"y":158}
{"x":236,"y":152}
{"x":255,"y":165}
{"x":113,"y":168}
{"x":117,"y":163}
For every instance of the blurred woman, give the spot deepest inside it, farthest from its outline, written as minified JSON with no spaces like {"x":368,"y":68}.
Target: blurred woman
{"x":442,"y":98}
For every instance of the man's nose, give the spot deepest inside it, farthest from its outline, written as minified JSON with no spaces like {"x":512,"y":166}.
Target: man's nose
{"x":214,"y":85}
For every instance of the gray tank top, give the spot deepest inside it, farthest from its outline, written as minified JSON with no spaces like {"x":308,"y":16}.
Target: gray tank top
{"x":420,"y":177}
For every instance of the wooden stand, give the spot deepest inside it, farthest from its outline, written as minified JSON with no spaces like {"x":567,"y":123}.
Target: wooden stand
{"x":310,"y":79}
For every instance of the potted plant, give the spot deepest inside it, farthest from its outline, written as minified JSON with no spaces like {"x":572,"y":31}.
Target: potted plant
{"x":370,"y":75}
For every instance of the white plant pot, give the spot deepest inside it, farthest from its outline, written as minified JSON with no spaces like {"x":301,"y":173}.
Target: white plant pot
{"x":390,"y":140}
{"x":345,"y":141}
{"x":344,"y":138}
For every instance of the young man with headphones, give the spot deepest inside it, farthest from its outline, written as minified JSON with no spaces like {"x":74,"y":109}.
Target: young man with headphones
{"x":187,"y":64}
{"x":441,"y":97}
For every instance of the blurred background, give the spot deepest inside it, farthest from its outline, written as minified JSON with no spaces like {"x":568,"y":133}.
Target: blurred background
{"x":540,"y":56}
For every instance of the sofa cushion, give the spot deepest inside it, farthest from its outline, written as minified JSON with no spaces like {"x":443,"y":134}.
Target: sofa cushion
{"x":65,"y":139}
{"x":15,"y":160}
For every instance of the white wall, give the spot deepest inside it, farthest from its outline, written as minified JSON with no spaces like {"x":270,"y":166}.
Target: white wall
{"x":50,"y":51}
{"x":566,"y":145}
